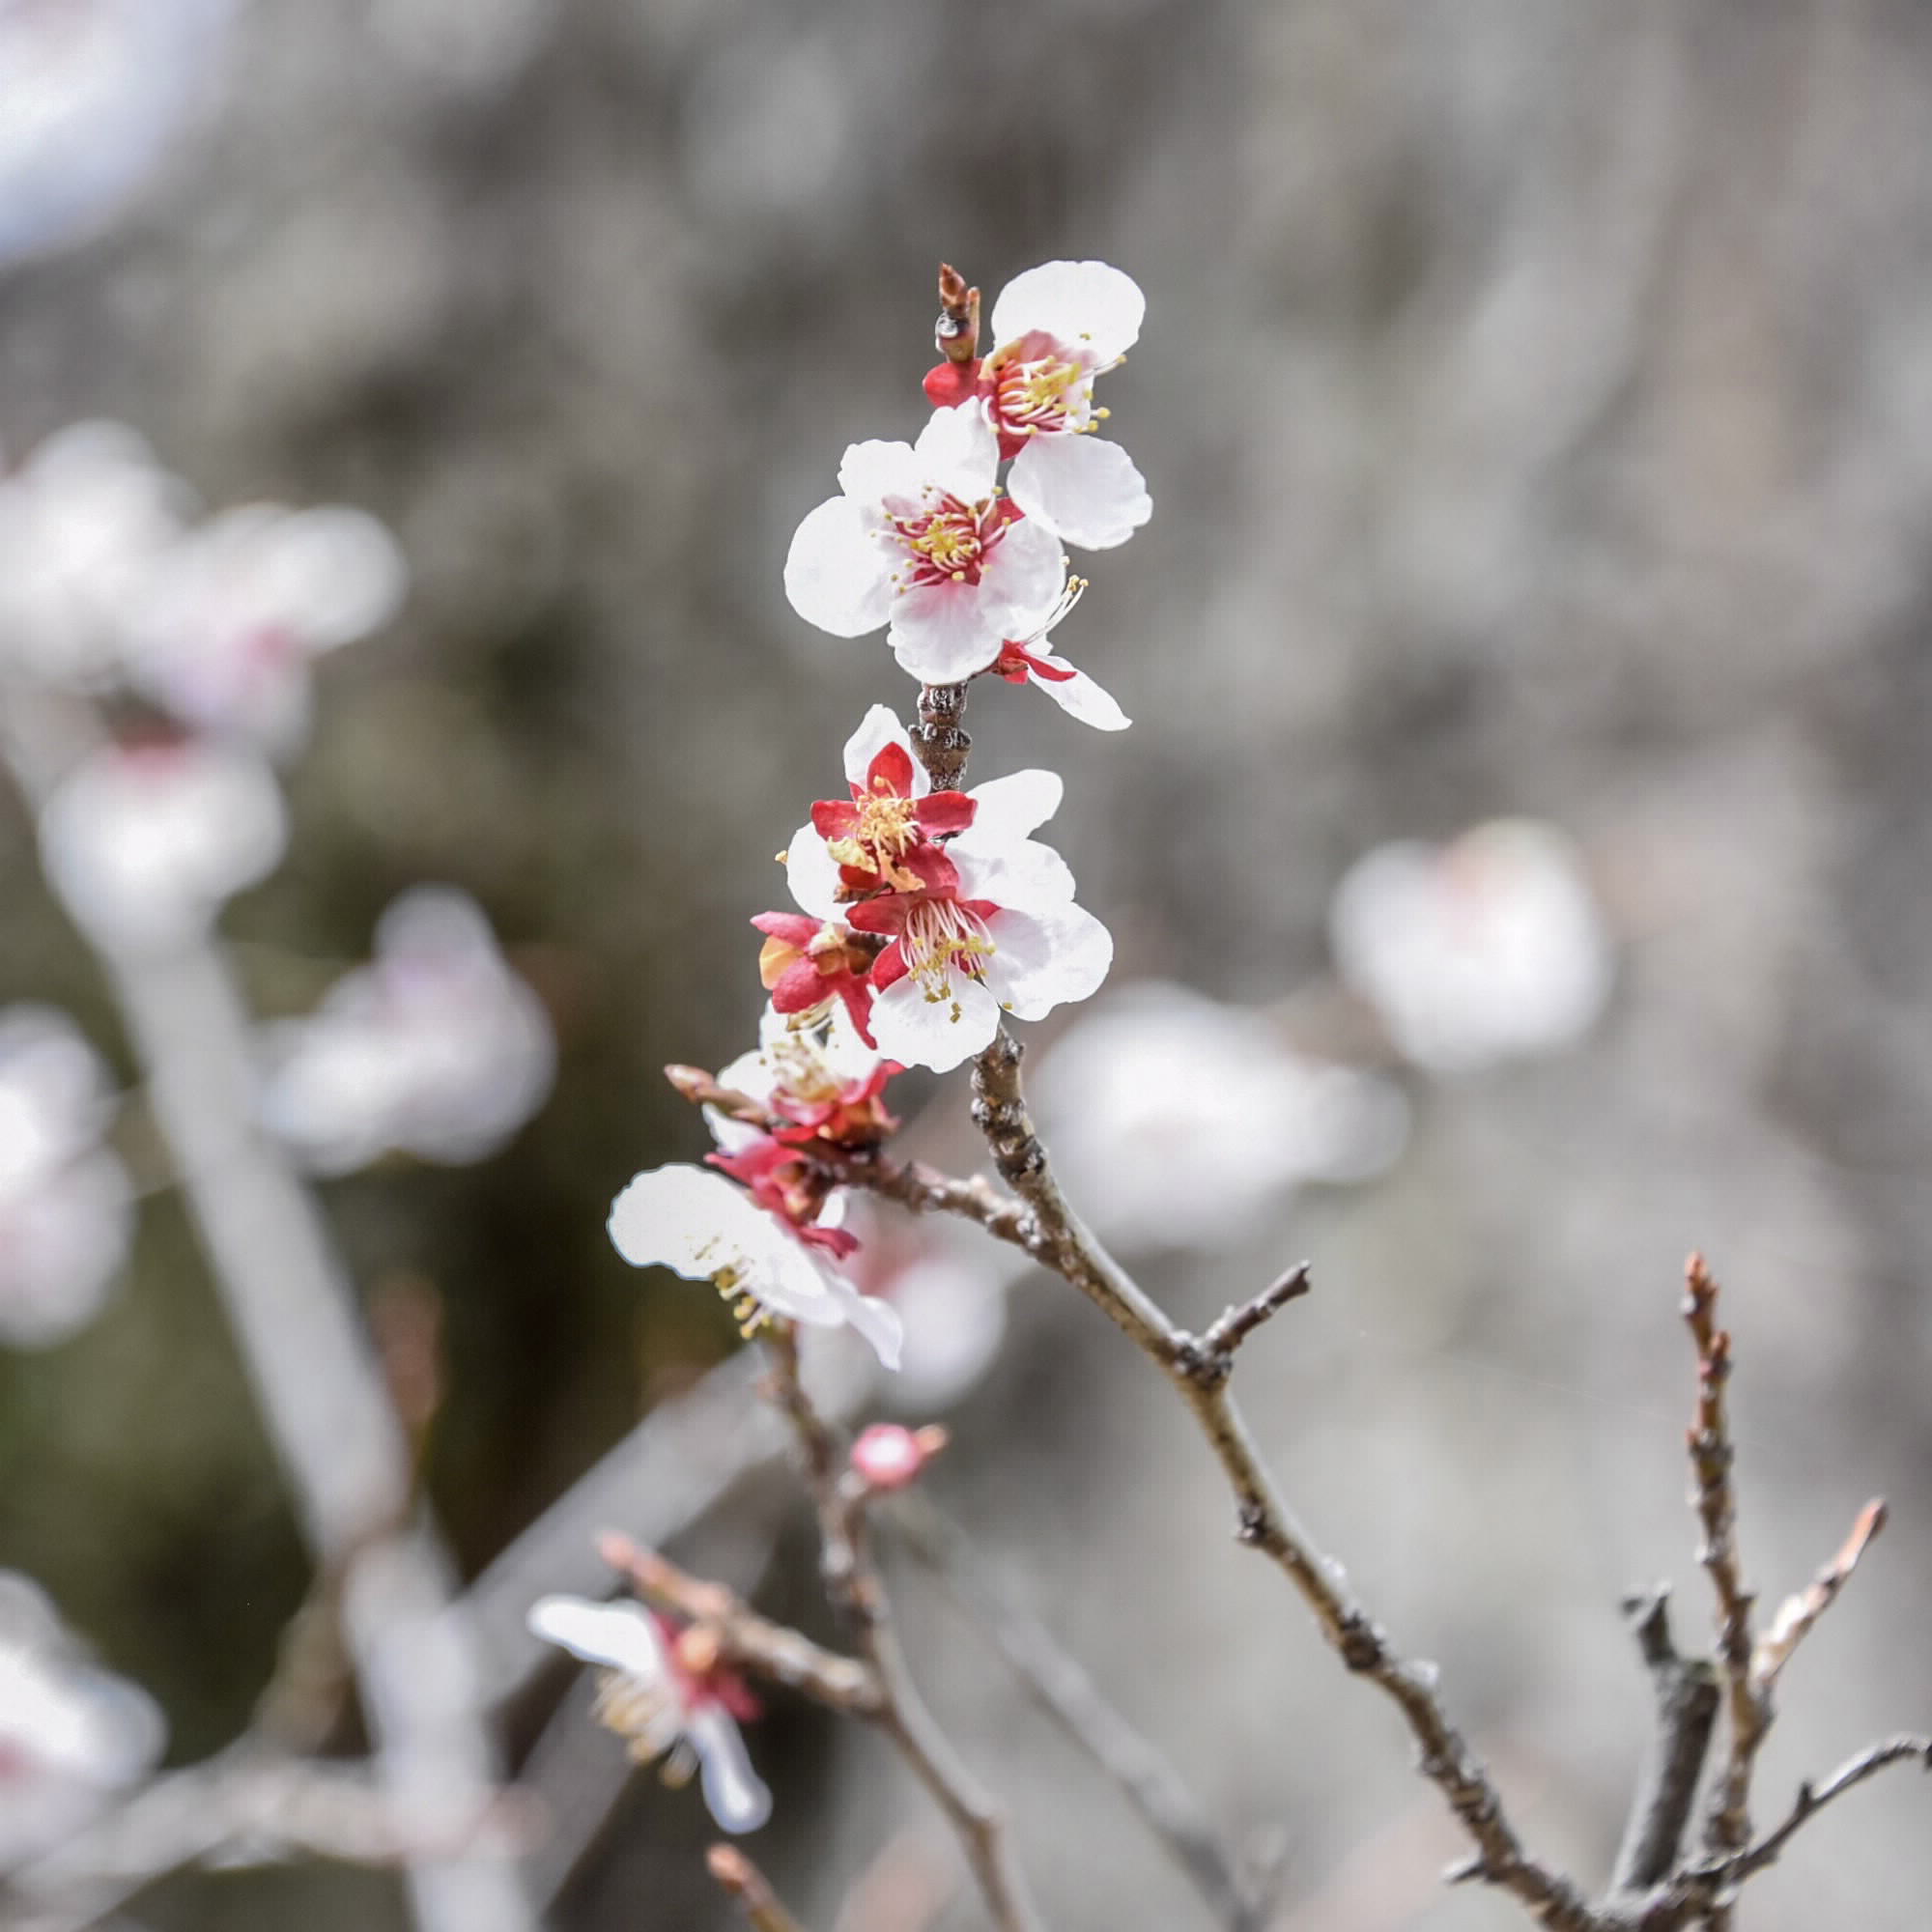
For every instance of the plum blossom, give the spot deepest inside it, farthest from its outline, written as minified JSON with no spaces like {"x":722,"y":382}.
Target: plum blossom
{"x":1054,"y":330}
{"x":231,"y":615}
{"x":84,"y":523}
{"x":71,"y":1737}
{"x":65,"y":1206}
{"x":1022,"y":661}
{"x":805,"y":963}
{"x":699,"y":1225}
{"x":921,"y":538}
{"x":145,"y":843}
{"x":436,"y":1048}
{"x":826,"y":1087}
{"x":1479,"y":951}
{"x":1181,"y":1122}
{"x":664,"y":1691}
{"x":980,"y":923}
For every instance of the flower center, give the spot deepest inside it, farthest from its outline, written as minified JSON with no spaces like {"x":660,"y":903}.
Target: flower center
{"x":1040,"y":390}
{"x":949,"y":544}
{"x":943,"y":937}
{"x":887,"y":829}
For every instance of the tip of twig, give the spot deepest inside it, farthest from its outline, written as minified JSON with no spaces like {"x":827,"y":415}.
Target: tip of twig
{"x":618,"y":1551}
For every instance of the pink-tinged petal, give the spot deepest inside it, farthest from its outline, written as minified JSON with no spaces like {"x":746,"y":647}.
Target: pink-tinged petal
{"x":877,"y":729}
{"x":958,"y":451}
{"x":888,"y":969}
{"x":736,"y":1796}
{"x":952,"y":383}
{"x":944,"y":633}
{"x":939,"y":1033}
{"x":1083,"y":487}
{"x":942,"y":813}
{"x":1087,"y":305}
{"x":835,"y":574}
{"x":858,"y":997}
{"x":891,"y":772}
{"x":834,"y":817}
{"x":619,"y":1637}
{"x":1027,"y":575}
{"x":872,"y":471}
{"x":1014,"y":806}
{"x":812,"y":874}
{"x":795,"y":928}
{"x":1079,"y":696}
{"x":801,"y":985}
{"x":1042,"y":960}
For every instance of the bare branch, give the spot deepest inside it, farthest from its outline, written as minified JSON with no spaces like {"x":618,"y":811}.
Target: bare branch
{"x":1212,"y":1358}
{"x":939,"y":738}
{"x":1062,"y":1687}
{"x":745,"y":1639}
{"x":743,"y":1881}
{"x":1797,"y":1614}
{"x":857,"y":1587}
{"x":1687,"y":1697}
{"x":1812,"y":1799}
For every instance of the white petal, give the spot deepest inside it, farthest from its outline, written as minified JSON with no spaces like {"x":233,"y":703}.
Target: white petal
{"x":330,"y":574}
{"x":1085,"y":305}
{"x":692,"y":1220}
{"x":1081,"y":487}
{"x":812,"y":874}
{"x":1080,"y":697}
{"x":1014,"y":806}
{"x":1027,"y":574}
{"x":872,"y":471}
{"x":944,"y":633}
{"x":958,"y":451}
{"x":880,"y":727}
{"x":939,"y":1034}
{"x":619,"y":1636}
{"x":735,"y":1794}
{"x":1019,"y":873}
{"x":877,"y":1321}
{"x":835,"y":572}
{"x":1042,"y":960}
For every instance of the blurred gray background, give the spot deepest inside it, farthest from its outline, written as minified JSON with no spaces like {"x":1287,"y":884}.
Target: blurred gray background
{"x":1537,"y":403}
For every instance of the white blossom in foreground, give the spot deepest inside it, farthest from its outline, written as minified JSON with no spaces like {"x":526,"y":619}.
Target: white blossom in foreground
{"x":921,"y":538}
{"x":700,"y":1226}
{"x":1054,"y":330}
{"x":1022,"y":661}
{"x":71,"y":1737}
{"x":1177,"y":1121}
{"x":1486,"y":948}
{"x":145,"y":843}
{"x":84,"y":523}
{"x":65,"y":1206}
{"x":232,"y":615}
{"x":93,"y":91}
{"x":437,"y":1048}
{"x":652,"y":1694}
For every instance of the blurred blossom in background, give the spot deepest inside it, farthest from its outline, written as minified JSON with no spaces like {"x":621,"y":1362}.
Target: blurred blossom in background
{"x":1515,"y":863}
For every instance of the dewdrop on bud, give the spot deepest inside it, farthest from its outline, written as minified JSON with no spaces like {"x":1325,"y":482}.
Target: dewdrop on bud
{"x":889,"y":1457}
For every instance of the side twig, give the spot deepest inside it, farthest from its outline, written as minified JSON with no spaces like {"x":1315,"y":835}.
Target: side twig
{"x":740,"y":1879}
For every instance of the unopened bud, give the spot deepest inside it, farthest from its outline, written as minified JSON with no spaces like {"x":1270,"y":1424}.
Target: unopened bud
{"x":697,"y":1650}
{"x":889,"y":1457}
{"x":693,"y":1082}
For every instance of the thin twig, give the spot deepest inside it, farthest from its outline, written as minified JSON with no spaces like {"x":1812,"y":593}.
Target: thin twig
{"x":1813,"y":1798}
{"x":743,"y":1881}
{"x":1213,"y":1358}
{"x":856,"y":1586}
{"x":1797,"y":1614}
{"x":1687,"y":1697}
{"x":1064,"y":1689}
{"x":745,"y":1639}
{"x":1727,"y":1829}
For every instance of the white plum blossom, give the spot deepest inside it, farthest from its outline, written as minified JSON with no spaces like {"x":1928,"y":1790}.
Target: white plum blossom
{"x":232,"y":615}
{"x":436,"y":1048}
{"x":66,"y":1205}
{"x":700,"y":1226}
{"x":84,"y":523}
{"x":979,"y":924}
{"x":94,"y":90}
{"x":71,"y":1737}
{"x":1054,"y":329}
{"x":922,"y":539}
{"x":145,"y":843}
{"x":1488,"y":948}
{"x":1177,"y":1121}
{"x":652,"y":1696}
{"x":1079,"y":695}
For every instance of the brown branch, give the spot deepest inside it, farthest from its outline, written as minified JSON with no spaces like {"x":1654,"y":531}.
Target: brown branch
{"x":1062,"y":1688}
{"x":740,"y":1879}
{"x":1712,"y":1457}
{"x":1797,"y":1614}
{"x":745,"y":1639}
{"x":854,"y":1583}
{"x":939,"y":738}
{"x":1686,"y":1698}
{"x":1263,"y":1520}
{"x":1812,"y":1799}
{"x":1213,"y":1357}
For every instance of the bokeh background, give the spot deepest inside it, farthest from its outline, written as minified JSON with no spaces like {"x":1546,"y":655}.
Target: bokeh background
{"x":1537,"y":403}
